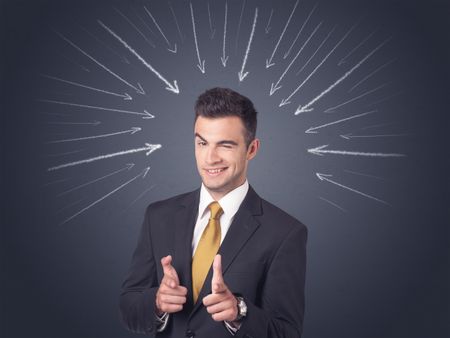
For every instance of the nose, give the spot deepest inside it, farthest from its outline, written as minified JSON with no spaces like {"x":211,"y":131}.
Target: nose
{"x":212,"y":156}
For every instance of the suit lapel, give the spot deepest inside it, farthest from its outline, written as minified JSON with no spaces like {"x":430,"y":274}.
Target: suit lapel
{"x":241,"y":229}
{"x":184,"y":220}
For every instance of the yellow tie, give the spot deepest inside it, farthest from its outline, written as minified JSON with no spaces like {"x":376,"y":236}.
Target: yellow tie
{"x":206,"y":249}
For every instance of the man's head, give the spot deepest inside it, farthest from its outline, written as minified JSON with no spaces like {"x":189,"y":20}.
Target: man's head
{"x":225,"y":128}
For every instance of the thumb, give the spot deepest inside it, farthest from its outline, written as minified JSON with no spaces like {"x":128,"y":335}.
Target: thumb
{"x":168,"y":269}
{"x":217,"y":282}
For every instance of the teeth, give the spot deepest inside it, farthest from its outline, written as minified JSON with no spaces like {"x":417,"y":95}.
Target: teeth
{"x":214,"y":171}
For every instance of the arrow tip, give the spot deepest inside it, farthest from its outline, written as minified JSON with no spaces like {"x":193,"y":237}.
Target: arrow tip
{"x":127,"y":97}
{"x":145,"y":171}
{"x":310,"y":131}
{"x":316,"y":151}
{"x":284,"y":102}
{"x":201,"y":66}
{"x":242,"y":76}
{"x":301,"y":109}
{"x":269,"y":63}
{"x":140,"y":90}
{"x":135,"y":130}
{"x":148,"y":115}
{"x":224,"y":60}
{"x":322,"y":176}
{"x":274,"y":88}
{"x":173,"y":88}
{"x":174,"y":50}
{"x":130,"y":165}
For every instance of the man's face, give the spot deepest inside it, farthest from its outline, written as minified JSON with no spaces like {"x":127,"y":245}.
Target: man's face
{"x":221,"y":153}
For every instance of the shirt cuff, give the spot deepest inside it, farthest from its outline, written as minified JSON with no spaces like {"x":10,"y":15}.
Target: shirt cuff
{"x":161,"y":321}
{"x":232,"y":328}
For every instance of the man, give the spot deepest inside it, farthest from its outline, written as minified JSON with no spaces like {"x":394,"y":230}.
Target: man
{"x":219,"y":261}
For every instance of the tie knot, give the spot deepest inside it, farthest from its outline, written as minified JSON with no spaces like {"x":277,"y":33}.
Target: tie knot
{"x":216,"y":210}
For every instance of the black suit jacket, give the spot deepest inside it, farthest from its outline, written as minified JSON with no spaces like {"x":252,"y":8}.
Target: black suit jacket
{"x":263,"y":259}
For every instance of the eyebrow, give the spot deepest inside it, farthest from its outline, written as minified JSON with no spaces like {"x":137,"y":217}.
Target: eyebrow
{"x":220,"y":142}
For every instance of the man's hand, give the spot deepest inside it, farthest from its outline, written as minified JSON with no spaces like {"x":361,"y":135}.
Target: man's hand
{"x":221,"y":303}
{"x":171,"y":295}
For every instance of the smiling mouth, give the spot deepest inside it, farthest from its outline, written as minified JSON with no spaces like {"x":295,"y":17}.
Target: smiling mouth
{"x":215,"y":171}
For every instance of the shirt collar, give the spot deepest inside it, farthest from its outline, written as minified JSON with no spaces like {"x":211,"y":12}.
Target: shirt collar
{"x":230,"y":203}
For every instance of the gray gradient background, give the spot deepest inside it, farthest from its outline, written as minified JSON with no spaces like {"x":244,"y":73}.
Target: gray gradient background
{"x":374,"y":270}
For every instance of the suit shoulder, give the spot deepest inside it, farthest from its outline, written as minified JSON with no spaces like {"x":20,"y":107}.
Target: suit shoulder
{"x":281,"y":217}
{"x":171,"y":203}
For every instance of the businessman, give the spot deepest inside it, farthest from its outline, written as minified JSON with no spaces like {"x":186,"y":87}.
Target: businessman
{"x":219,"y":261}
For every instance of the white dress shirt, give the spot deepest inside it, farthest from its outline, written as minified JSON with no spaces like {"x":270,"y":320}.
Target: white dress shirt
{"x":230,"y":204}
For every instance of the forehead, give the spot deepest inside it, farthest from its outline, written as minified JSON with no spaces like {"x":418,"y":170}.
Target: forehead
{"x":220,"y":128}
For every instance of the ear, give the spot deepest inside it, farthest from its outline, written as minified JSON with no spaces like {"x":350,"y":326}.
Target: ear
{"x":253,"y":149}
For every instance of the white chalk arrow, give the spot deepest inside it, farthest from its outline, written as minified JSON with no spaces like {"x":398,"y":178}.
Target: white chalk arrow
{"x":127,"y":167}
{"x":331,"y":109}
{"x":213,"y":31}
{"x":315,"y":52}
{"x":135,"y":27}
{"x":242,"y":75}
{"x":321,"y":150}
{"x":125,"y":96}
{"x":176,"y":21}
{"x":224,"y":58}
{"x":131,"y":131}
{"x":287,"y":100}
{"x":269,"y":62}
{"x":326,"y":177}
{"x":276,"y":86}
{"x":138,"y":90}
{"x":305,"y":108}
{"x":344,"y":59}
{"x":149,"y":148}
{"x":267,"y":29}
{"x":174,"y":49}
{"x":94,"y":123}
{"x":371,"y":74}
{"x":350,"y":136}
{"x":173,"y":88}
{"x":142,"y":174}
{"x":312,"y":130}
{"x":201,"y":63}
{"x":239,"y":26}
{"x":299,"y":32}
{"x":145,"y":114}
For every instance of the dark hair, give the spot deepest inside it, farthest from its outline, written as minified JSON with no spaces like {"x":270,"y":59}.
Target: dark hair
{"x":222,"y":102}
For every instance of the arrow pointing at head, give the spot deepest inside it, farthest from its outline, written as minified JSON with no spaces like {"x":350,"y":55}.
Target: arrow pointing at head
{"x":131,"y":131}
{"x":142,"y":174}
{"x":201,"y":63}
{"x":173,"y":88}
{"x":145,"y":114}
{"x":149,"y":148}
{"x":306,"y":107}
{"x":174,"y":49}
{"x":312,"y":130}
{"x":350,"y":136}
{"x":138,"y":90}
{"x":274,"y":88}
{"x":326,"y":177}
{"x":241,"y":73}
{"x":127,"y":167}
{"x":125,"y":96}
{"x":321,"y":150}
{"x":223,"y":57}
{"x":269,"y":62}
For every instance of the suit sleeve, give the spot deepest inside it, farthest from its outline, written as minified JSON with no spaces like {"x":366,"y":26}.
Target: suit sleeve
{"x":137,"y":299}
{"x":281,"y":311}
